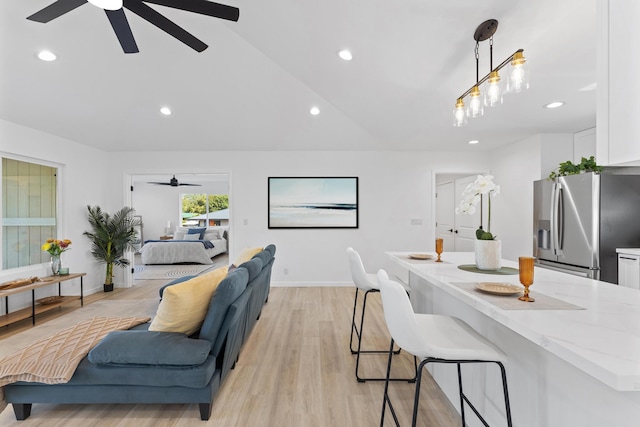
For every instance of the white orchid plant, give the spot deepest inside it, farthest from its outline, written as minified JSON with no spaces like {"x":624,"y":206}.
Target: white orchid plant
{"x":472,"y":195}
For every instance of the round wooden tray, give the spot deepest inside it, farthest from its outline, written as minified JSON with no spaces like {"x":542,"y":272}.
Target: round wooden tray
{"x":50,"y":300}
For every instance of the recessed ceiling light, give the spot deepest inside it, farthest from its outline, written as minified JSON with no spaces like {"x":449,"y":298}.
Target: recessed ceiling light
{"x":474,"y":141}
{"x":554,"y":104}
{"x":166,"y":111}
{"x":589,"y":87}
{"x":46,"y":55}
{"x":314,"y":111}
{"x":345,"y":54}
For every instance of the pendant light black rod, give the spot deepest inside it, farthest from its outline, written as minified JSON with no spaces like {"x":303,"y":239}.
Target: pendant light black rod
{"x":491,"y":53}
{"x":485,"y":78}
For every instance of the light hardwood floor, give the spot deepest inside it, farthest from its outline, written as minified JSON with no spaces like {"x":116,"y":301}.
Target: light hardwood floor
{"x":295,"y":369}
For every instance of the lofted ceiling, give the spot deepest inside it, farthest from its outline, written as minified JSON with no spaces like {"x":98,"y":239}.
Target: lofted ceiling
{"x":253,"y":87}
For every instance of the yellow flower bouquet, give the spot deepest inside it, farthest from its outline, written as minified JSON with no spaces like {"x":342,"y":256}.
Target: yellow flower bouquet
{"x":56,"y":247}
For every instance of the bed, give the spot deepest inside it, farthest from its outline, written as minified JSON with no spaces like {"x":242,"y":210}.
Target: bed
{"x":186,"y":247}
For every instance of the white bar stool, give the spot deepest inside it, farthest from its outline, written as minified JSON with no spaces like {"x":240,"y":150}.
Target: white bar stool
{"x":367,"y":283}
{"x":434,"y":339}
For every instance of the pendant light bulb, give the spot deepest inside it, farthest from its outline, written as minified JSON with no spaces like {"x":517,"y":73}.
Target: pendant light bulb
{"x":493,"y":90}
{"x":475,"y":109}
{"x":459,"y":115}
{"x":518,"y":74}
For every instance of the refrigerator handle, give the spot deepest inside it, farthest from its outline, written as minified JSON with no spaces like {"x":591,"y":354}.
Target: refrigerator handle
{"x":560,"y":219}
{"x":555,"y":218}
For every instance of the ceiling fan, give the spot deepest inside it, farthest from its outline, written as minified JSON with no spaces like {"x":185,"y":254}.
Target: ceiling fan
{"x":115,"y":12}
{"x":174,"y":183}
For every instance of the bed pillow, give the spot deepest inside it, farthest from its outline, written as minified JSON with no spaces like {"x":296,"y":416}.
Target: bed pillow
{"x":149,"y":348}
{"x":192,"y":237}
{"x":198,"y":231}
{"x":184,"y":305}
{"x":211,"y":235}
{"x":245,"y":255}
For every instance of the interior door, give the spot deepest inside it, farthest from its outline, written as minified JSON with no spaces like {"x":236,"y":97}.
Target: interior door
{"x":465,"y":225}
{"x":445,"y":215}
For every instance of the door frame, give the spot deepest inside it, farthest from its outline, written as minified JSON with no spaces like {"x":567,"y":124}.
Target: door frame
{"x":128,"y":200}
{"x":460,"y":173}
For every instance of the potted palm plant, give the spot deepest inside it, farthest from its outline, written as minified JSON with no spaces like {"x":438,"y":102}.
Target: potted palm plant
{"x":111,"y":236}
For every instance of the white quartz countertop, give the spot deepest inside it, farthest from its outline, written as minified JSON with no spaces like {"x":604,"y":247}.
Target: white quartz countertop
{"x":603,"y":340}
{"x":628,"y":251}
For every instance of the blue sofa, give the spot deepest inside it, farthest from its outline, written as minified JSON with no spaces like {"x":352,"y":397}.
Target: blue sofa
{"x":141,"y":366}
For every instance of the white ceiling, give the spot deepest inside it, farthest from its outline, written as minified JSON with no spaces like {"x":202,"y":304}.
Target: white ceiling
{"x":253,"y":87}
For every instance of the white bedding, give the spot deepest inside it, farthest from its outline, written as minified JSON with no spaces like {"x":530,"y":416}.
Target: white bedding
{"x":168,"y":252}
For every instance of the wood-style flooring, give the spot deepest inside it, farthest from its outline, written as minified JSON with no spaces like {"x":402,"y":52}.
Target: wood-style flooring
{"x":295,"y":369}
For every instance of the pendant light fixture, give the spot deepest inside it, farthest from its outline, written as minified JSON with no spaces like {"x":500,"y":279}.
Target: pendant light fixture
{"x":489,"y":90}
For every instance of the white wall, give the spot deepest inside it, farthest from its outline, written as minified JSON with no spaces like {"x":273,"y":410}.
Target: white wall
{"x":514,"y":168}
{"x":82,"y":180}
{"x":394,"y":187}
{"x":555,"y":148}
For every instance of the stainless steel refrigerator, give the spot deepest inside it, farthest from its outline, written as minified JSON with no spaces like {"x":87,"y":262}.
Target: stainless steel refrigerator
{"x":580,"y":220}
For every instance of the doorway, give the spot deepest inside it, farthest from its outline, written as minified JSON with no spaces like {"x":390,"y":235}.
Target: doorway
{"x":457,"y":231}
{"x":159,"y":202}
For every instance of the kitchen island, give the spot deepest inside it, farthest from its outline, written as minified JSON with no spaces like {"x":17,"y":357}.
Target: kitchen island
{"x":573,"y":364}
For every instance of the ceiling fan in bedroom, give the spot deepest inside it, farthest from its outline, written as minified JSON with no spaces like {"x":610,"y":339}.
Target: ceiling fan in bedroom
{"x":173,"y":182}
{"x":115,"y":12}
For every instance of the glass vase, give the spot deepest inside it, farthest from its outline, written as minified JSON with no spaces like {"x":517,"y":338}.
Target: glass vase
{"x":55,"y":265}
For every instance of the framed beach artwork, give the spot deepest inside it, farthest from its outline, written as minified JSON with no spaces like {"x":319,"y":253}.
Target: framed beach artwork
{"x":310,"y":202}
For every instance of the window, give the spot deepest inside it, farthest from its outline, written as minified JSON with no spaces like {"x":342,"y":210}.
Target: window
{"x":29,"y":206}
{"x":203,"y":210}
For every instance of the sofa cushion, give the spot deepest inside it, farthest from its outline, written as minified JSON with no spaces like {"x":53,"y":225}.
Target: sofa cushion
{"x":246,"y":254}
{"x":272,"y":249}
{"x":175,"y":282}
{"x":149,"y":348}
{"x":184,"y":306}
{"x":253,"y":266}
{"x":265,"y":256}
{"x":227,"y":292}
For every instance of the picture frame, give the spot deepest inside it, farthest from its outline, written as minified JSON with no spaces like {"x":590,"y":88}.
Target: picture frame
{"x":313,"y":202}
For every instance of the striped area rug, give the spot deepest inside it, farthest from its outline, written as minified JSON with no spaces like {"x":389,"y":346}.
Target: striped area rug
{"x":151,"y":272}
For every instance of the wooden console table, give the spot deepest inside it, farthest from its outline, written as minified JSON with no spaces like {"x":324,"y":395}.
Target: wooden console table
{"x":25,"y":313}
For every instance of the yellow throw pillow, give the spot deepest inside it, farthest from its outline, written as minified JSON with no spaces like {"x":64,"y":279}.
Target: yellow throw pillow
{"x":184,"y":305}
{"x":246,"y":255}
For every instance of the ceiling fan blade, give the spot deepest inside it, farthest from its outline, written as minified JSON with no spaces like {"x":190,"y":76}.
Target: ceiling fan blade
{"x":202,"y":7}
{"x":159,"y":183}
{"x":122,"y":29}
{"x":55,"y":10}
{"x":155,"y":18}
{"x":193,"y":185}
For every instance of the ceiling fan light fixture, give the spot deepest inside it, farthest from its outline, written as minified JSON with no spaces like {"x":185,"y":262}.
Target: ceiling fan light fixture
{"x":107,"y":4}
{"x":166,"y":111}
{"x":314,"y":111}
